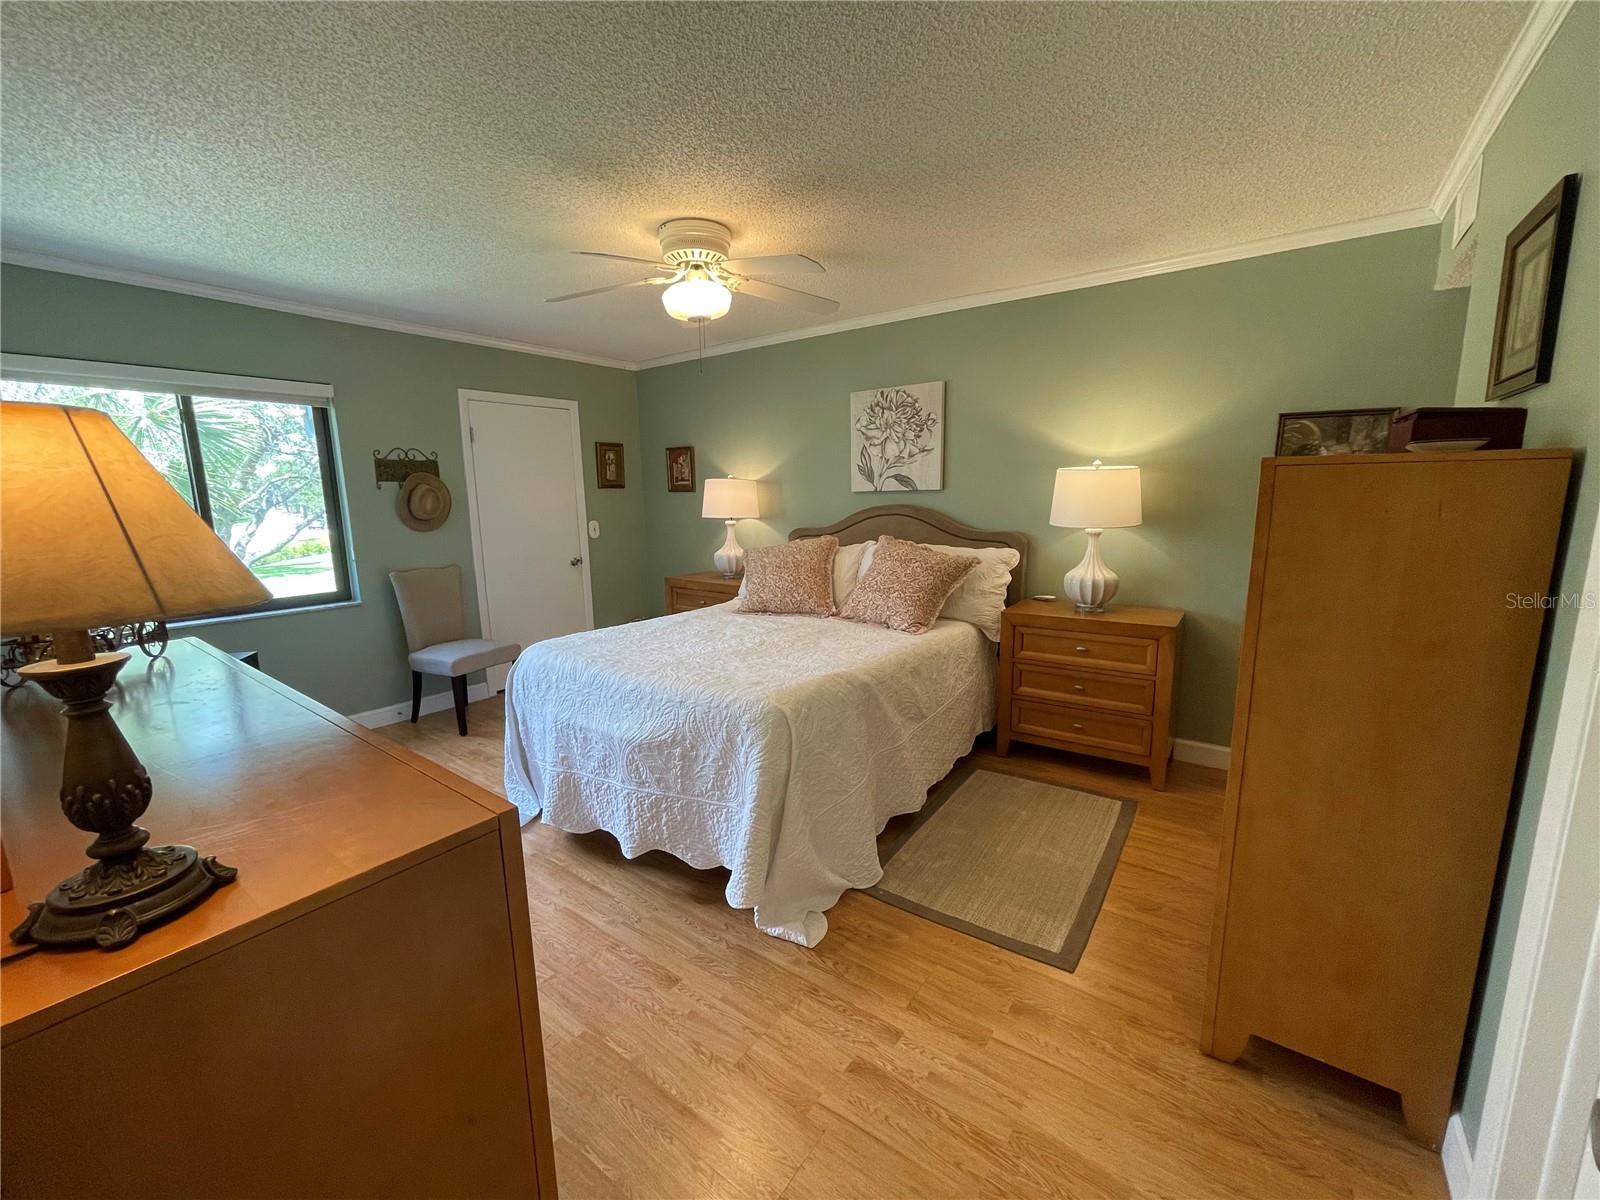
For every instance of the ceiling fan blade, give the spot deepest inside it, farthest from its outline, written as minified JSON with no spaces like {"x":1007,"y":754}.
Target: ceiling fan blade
{"x":613,"y":287}
{"x":649,"y":262}
{"x":785,"y":295}
{"x":775,"y":264}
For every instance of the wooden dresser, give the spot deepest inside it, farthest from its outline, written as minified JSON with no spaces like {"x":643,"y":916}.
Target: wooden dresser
{"x":1097,"y":683}
{"x":355,"y":1016}
{"x":698,"y":589}
{"x":1384,"y":675}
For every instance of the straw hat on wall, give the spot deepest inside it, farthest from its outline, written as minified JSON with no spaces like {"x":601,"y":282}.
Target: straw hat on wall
{"x":424,"y":501}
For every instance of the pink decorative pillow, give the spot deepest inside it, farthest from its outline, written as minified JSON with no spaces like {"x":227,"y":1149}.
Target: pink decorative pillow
{"x":796,"y":577}
{"x":906,"y":586}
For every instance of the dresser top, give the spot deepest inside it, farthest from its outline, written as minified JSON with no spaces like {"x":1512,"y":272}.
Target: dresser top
{"x":704,"y":579}
{"x":1129,"y":617}
{"x":306,"y":804}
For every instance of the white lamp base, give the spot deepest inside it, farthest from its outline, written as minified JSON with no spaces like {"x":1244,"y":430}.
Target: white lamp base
{"x":730,"y":559}
{"x":1091,"y":584}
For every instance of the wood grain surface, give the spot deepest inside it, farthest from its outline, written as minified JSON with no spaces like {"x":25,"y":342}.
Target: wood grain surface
{"x":690,"y":1055}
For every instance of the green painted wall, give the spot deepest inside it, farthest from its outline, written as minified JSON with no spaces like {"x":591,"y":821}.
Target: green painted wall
{"x":1183,"y":374}
{"x":390,"y":389}
{"x":1552,"y":129}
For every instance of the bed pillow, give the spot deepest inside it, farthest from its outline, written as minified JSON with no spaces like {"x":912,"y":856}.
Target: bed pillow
{"x":846,"y":570}
{"x":980,"y":597}
{"x":847,"y":566}
{"x":794,"y":577}
{"x":906,"y":585}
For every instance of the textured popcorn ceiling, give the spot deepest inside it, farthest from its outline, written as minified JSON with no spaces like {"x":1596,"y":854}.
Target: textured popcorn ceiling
{"x":433,"y":163}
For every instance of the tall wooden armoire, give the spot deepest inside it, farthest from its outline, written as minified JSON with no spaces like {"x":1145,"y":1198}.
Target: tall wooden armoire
{"x":1393,"y":622}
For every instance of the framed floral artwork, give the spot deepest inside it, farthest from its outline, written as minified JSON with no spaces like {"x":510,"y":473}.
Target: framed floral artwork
{"x":609,"y":471}
{"x":897,"y":438}
{"x":680,"y":468}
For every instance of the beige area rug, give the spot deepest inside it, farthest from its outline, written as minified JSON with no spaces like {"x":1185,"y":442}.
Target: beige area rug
{"x":1013,"y":861}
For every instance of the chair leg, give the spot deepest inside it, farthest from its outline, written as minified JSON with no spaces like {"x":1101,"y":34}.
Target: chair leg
{"x":458,"y":686}
{"x":416,"y":696}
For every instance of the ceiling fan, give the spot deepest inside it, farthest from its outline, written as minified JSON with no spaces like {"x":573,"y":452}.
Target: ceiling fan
{"x":700,"y":279}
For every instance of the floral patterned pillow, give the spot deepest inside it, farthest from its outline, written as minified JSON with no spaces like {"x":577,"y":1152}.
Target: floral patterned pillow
{"x":906,"y":586}
{"x":796,"y":577}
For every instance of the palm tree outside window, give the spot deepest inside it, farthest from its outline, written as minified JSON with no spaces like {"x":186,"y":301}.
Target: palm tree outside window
{"x":259,"y":472}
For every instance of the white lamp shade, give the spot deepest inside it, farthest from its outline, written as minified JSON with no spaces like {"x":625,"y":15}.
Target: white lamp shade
{"x":730,"y":499}
{"x":91,"y":534}
{"x":1096,"y":497}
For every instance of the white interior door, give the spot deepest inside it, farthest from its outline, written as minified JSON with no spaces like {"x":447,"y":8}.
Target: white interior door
{"x":528,"y":519}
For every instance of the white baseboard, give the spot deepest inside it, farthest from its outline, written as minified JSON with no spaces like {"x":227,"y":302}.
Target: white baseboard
{"x":1202,"y":754}
{"x":431,"y":703}
{"x":1457,"y":1156}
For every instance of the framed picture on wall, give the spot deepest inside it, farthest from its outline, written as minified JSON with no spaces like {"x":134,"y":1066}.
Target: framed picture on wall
{"x":609,"y":470}
{"x":680,"y":468}
{"x":1334,"y":431}
{"x":897,"y":438}
{"x":1532,"y":276}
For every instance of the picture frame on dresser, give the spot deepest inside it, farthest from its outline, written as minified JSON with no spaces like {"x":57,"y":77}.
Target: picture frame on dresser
{"x":1334,"y":431}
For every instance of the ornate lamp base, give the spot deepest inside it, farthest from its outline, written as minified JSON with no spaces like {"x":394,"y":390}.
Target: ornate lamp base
{"x":113,"y":902}
{"x":1091,"y":584}
{"x":104,"y":790}
{"x":729,"y":559}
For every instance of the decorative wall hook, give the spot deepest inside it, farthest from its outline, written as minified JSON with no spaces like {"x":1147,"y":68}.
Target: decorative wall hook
{"x":395,"y":465}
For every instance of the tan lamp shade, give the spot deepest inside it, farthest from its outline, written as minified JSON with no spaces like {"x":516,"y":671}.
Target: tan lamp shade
{"x":91,"y":534}
{"x":731,"y":499}
{"x":1097,"y":497}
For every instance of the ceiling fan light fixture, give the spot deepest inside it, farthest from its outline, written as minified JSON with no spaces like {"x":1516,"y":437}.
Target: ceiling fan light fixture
{"x":697,"y":297}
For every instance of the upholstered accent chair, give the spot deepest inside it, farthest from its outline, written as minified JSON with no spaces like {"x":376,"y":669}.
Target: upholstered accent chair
{"x":436,"y":626}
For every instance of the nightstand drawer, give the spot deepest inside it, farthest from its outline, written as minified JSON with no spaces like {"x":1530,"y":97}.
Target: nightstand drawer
{"x":686,"y":599}
{"x":1092,"y":730}
{"x":1057,"y":647}
{"x":1090,"y":689}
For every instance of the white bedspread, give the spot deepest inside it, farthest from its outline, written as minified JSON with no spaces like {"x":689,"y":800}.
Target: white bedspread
{"x":774,"y":746}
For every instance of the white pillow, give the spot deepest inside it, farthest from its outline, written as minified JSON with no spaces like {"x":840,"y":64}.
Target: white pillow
{"x":849,"y":562}
{"x":847,"y":568}
{"x":980,"y":597}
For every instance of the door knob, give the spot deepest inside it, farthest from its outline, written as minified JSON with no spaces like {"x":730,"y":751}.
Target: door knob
{"x":577,"y":561}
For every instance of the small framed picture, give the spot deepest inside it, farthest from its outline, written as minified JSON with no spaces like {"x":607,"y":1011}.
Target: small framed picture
{"x":1335,"y":431}
{"x":1532,"y":276}
{"x":680,"y":468}
{"x":609,"y":471}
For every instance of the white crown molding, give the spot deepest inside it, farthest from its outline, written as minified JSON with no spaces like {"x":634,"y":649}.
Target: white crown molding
{"x":1537,"y":31}
{"x":1366,"y":227}
{"x":164,"y":283}
{"x":1530,"y":44}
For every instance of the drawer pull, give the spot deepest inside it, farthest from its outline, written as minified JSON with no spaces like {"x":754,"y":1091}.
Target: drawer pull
{"x":1081,"y":649}
{"x":1078,"y":725}
{"x":1077,"y":687}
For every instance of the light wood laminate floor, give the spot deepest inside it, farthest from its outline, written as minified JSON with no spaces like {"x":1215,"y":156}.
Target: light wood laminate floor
{"x":691,"y":1055}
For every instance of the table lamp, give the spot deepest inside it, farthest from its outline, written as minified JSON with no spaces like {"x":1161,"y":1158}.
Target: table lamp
{"x":91,"y":535}
{"x":1094,"y":498}
{"x":734,"y":500}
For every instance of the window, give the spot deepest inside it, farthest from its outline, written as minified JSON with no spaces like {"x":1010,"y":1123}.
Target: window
{"x":258,"y":468}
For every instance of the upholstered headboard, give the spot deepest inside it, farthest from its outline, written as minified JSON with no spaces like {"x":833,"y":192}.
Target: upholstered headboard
{"x":917,"y":524}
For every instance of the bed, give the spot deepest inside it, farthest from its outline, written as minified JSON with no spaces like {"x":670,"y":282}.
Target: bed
{"x":775,"y":746}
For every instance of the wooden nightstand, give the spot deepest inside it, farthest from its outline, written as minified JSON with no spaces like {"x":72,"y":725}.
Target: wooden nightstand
{"x":698,"y":589}
{"x":1096,"y":683}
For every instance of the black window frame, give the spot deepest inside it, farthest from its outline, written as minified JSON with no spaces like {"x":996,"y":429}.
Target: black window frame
{"x":200,"y":498}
